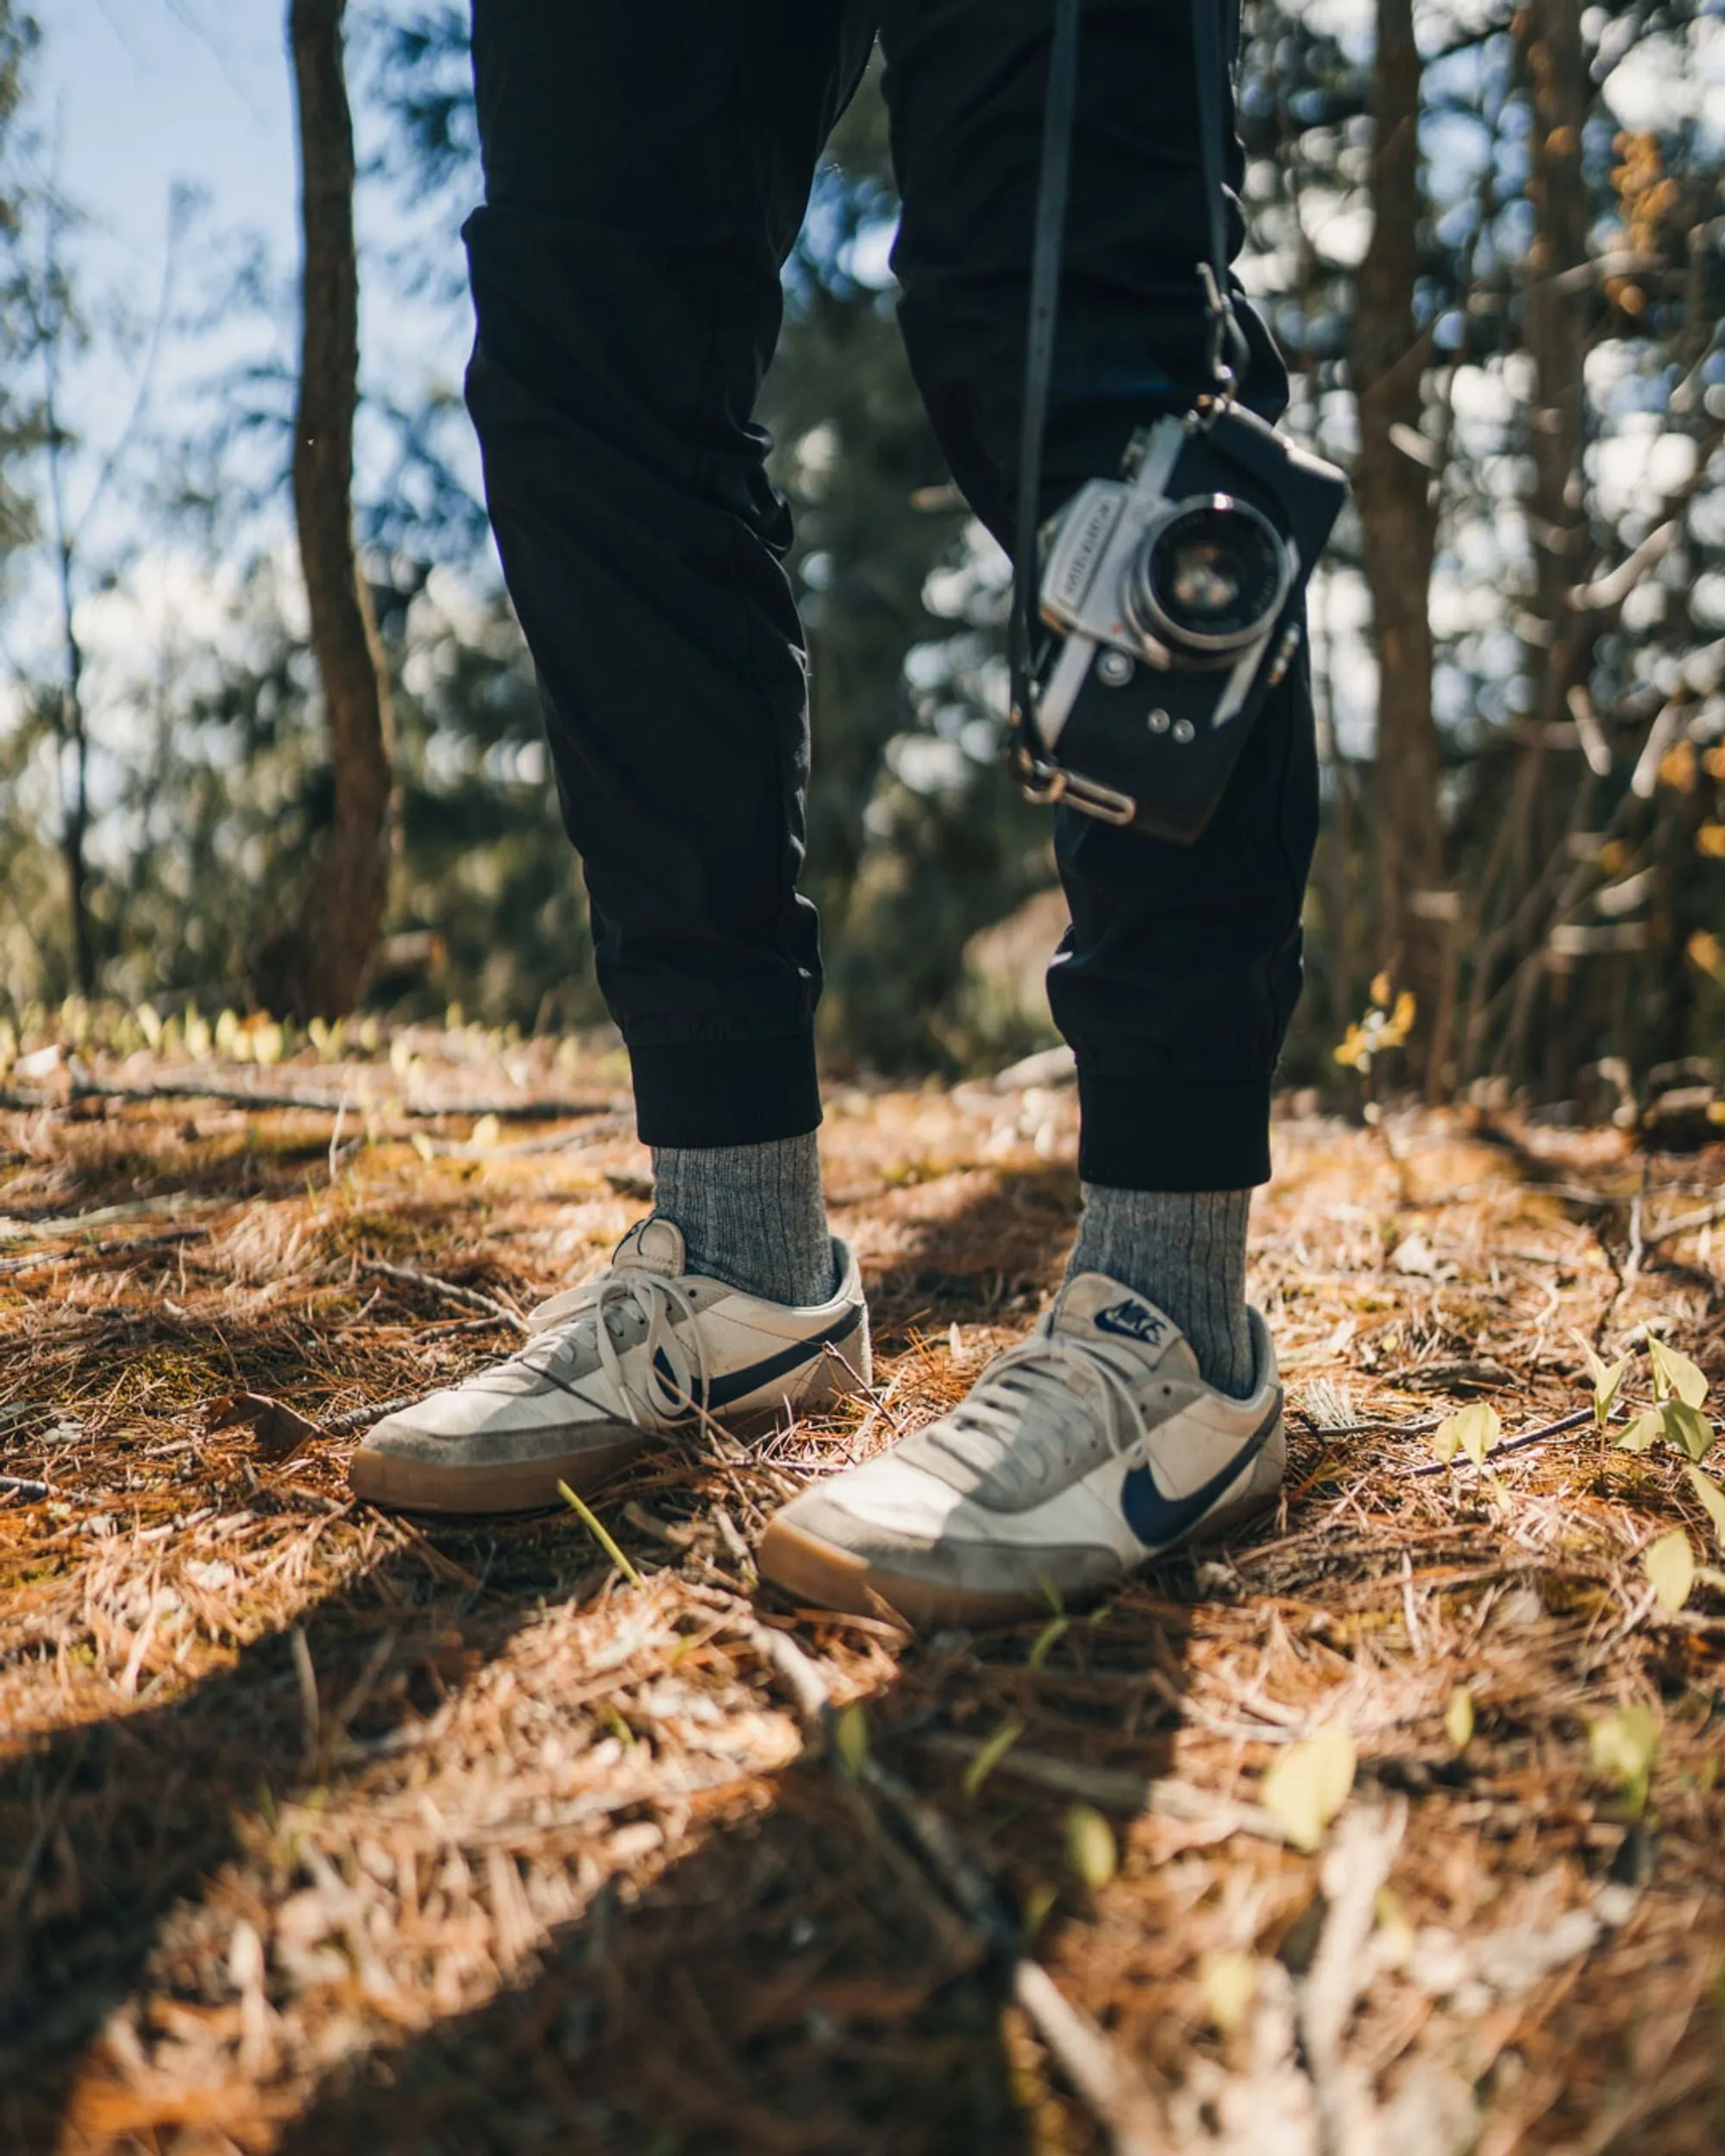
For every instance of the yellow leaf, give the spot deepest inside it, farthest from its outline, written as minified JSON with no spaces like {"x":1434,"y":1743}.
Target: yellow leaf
{"x":1710,"y":840}
{"x":1474,"y":1430}
{"x":850,"y":1738}
{"x":196,"y":1035}
{"x":1622,"y":1748}
{"x":1713,"y":763}
{"x":1705,"y":950}
{"x":1671,"y":1570}
{"x":1380,"y":990}
{"x":1687,"y":1427}
{"x":486,"y":1133}
{"x":1229,"y":1982}
{"x":1394,"y":1928}
{"x":1458,"y":1718}
{"x":1641,"y":1431}
{"x":1675,"y":1373}
{"x":400,"y":1056}
{"x":1678,"y":766}
{"x":150,"y":1023}
{"x":1090,"y":1850}
{"x":1712,"y":1497}
{"x":424,"y":1147}
{"x":226,"y":1027}
{"x":1309,"y":1785}
{"x":1350,"y":1050}
{"x":992,"y":1752}
{"x":1038,"y":1903}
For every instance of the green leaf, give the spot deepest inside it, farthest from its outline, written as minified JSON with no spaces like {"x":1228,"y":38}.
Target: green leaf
{"x":1713,"y":1498}
{"x":601,"y":1533}
{"x":992,"y":1752}
{"x":1607,"y":1379}
{"x":1642,"y":1430}
{"x":1671,"y":1568}
{"x":1229,"y":1982}
{"x":1688,"y":1427}
{"x":1675,"y":1373}
{"x":1090,"y":1850}
{"x":1622,"y":1748}
{"x":1475,"y":1429}
{"x":1051,"y":1633}
{"x":1309,"y":1785}
{"x":1458,"y":1718}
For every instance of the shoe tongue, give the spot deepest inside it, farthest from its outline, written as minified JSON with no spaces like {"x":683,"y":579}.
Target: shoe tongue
{"x":1094,"y":1307}
{"x":652,"y":1245}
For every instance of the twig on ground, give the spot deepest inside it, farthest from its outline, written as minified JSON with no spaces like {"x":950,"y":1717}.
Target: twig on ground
{"x":1119,"y":1790}
{"x":1574,"y":1420}
{"x":22,"y":1487}
{"x":472,"y":1296}
{"x":362,"y":1418}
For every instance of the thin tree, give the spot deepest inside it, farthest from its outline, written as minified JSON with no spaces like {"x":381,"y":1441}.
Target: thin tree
{"x":1393,"y":485}
{"x":344,"y":910}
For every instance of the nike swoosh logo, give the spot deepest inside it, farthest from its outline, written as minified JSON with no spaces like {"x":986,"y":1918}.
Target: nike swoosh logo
{"x":1158,"y":1521}
{"x":723,"y":1392}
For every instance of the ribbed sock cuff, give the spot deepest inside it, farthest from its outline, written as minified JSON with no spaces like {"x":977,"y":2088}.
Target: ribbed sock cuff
{"x":1143,"y":1132}
{"x":725,"y":1093}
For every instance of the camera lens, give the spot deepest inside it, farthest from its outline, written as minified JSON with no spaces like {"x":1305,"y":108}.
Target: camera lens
{"x":1210,"y":574}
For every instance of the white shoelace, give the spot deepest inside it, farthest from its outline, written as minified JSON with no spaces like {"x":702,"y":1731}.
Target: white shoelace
{"x":581,"y":1315}
{"x":1064,"y":1381}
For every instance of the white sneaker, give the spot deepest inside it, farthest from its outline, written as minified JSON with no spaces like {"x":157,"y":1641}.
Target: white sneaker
{"x":609,"y":1366}
{"x":1091,"y":1447}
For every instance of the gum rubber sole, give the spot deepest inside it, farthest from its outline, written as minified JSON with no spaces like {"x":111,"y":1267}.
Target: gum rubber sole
{"x":820,"y":1573}
{"x":400,"y":1483}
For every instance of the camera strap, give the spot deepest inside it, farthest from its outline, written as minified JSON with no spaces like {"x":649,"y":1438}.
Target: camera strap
{"x":1225,"y":341}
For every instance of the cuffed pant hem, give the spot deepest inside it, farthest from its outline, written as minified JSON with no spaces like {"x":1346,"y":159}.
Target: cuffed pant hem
{"x":725,"y":1093}
{"x":1139,"y":1132}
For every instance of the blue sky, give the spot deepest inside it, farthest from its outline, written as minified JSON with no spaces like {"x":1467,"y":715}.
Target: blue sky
{"x":140,"y":93}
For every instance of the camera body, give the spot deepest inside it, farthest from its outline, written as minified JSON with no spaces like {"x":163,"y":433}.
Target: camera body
{"x":1176,"y":590}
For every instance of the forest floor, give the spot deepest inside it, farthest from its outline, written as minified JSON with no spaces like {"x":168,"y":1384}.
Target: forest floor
{"x":322,"y":1831}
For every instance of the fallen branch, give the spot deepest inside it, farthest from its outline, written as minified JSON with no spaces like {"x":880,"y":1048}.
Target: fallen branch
{"x":1091,"y":2064}
{"x":526,"y":1110}
{"x":22,"y":1486}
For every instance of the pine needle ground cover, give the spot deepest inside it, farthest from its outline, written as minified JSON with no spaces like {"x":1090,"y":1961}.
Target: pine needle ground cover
{"x":1395,"y":1826}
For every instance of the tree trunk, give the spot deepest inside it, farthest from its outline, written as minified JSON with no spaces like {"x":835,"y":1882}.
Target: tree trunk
{"x":1555,"y":326}
{"x":1393,"y":489}
{"x":345,"y":910}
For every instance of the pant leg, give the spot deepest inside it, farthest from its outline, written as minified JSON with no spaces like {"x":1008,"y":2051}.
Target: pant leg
{"x":646,"y":167}
{"x":1176,"y":981}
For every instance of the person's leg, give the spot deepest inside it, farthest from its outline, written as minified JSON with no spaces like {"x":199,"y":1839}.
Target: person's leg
{"x":646,"y":165}
{"x":1177,"y":978}
{"x":1118,"y":1429}
{"x":646,"y":169}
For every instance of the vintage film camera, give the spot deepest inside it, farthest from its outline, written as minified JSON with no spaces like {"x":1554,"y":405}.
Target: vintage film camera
{"x":1177,"y":590}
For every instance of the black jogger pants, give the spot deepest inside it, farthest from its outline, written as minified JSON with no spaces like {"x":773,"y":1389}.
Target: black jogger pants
{"x":647,"y":163}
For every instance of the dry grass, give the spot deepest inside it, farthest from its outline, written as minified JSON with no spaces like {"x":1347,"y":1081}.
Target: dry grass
{"x":321,"y":1831}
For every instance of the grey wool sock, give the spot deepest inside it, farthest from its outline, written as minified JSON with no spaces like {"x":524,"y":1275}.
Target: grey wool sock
{"x":1186,"y":1252}
{"x":751,"y":1215}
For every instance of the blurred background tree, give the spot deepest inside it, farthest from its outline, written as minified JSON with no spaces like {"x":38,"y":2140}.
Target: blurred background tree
{"x":1490,"y":244}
